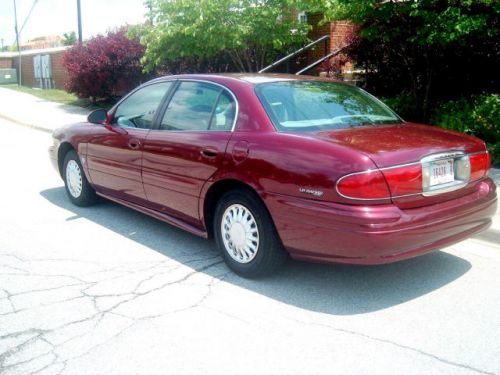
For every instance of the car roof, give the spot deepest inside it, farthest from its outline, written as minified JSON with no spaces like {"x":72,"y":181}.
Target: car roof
{"x":251,"y":78}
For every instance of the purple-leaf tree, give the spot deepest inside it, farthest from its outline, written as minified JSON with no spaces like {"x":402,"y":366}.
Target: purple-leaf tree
{"x":105,"y":66}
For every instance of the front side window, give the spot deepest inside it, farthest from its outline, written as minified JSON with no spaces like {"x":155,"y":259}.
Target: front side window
{"x":138,"y":110}
{"x":315,"y":105}
{"x":197,"y":106}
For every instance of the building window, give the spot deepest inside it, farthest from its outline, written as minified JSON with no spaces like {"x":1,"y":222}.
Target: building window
{"x":302,"y":17}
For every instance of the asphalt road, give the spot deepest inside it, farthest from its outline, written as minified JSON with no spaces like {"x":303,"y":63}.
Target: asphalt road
{"x":106,"y":290}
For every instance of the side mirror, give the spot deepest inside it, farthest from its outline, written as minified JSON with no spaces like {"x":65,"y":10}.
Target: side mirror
{"x":98,"y":116}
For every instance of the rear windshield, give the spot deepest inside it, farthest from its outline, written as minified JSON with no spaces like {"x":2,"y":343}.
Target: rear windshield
{"x":314,"y":105}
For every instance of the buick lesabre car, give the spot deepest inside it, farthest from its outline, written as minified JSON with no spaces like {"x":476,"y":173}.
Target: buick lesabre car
{"x":277,"y":165}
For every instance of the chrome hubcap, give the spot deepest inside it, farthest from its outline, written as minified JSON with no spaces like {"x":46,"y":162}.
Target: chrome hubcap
{"x":74,"y":178}
{"x":240,"y":233}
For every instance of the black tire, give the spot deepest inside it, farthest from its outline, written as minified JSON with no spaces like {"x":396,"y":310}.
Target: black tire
{"x":85,"y":196}
{"x":269,"y":255}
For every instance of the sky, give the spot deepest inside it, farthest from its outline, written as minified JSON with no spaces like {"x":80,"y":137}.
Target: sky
{"x":55,"y":17}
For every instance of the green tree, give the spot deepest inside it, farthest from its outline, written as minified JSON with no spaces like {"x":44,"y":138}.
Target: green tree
{"x":69,"y":39}
{"x":428,"y":49}
{"x":251,"y":33}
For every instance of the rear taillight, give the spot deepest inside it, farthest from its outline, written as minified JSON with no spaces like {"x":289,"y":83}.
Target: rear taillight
{"x":434,"y":174}
{"x":404,"y":180}
{"x":479,"y":165}
{"x":365,"y":185}
{"x":383,"y":184}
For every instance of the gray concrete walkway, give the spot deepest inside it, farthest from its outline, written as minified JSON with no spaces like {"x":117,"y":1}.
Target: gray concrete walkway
{"x":29,"y":110}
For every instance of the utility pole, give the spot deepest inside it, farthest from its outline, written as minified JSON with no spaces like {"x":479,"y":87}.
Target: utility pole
{"x":149,"y":5}
{"x":79,"y":14}
{"x":18,"y":47}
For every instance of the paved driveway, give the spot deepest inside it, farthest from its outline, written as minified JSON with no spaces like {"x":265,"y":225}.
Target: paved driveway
{"x":106,"y":290}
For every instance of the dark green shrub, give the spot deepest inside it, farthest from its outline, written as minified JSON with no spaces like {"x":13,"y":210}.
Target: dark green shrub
{"x":455,"y":115}
{"x":479,"y":116}
{"x":494,"y":149}
{"x":403,"y":104}
{"x":487,"y":117}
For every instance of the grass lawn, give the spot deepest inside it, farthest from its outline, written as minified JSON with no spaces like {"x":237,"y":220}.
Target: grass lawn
{"x":59,"y":96}
{"x":53,"y":95}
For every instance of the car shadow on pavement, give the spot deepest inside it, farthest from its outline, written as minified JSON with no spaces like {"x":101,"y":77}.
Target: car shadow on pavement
{"x":331,"y":289}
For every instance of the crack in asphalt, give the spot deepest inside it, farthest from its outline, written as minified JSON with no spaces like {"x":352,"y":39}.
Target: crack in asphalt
{"x":18,"y":358}
{"x":396,"y":344}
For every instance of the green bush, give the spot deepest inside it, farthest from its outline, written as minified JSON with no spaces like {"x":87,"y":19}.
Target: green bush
{"x":494,"y":149}
{"x":455,"y":115}
{"x":478,"y":116}
{"x":403,"y":104}
{"x":487,"y":117}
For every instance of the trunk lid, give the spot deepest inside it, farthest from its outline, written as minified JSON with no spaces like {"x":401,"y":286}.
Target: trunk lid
{"x":389,"y":145}
{"x":393,"y":145}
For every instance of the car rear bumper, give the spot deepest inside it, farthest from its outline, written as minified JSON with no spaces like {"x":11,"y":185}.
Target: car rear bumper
{"x":329,"y":232}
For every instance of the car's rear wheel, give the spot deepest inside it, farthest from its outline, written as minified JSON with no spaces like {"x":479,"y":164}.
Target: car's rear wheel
{"x":77,"y":187}
{"x":246,"y":235}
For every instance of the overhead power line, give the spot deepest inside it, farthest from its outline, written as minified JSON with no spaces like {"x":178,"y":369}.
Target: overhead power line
{"x":18,"y":32}
{"x":28,"y":16}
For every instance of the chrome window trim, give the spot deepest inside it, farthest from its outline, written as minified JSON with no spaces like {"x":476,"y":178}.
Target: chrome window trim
{"x":236,"y":113}
{"x":425,"y":160}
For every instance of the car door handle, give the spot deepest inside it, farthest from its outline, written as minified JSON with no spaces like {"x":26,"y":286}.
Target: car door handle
{"x":209,"y":153}
{"x":134,"y":144}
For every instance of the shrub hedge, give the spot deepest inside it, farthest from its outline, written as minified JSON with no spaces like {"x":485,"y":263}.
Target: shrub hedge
{"x":479,"y":116}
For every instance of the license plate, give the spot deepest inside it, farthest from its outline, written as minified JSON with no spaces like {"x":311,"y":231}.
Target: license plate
{"x":441,"y":172}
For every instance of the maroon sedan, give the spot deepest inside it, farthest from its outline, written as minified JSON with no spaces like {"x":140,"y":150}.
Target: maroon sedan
{"x":272,"y":165}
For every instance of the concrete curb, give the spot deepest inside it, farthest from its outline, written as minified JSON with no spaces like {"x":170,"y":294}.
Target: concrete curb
{"x":31,"y":126}
{"x":31,"y":111}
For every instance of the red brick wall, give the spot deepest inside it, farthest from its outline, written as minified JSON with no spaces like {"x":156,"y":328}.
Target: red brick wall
{"x":59,"y":74}
{"x":5,"y":62}
{"x":318,"y":30}
{"x":339,"y":32}
{"x":27,"y":74}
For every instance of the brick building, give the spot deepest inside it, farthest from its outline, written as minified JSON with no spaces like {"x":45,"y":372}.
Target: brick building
{"x":43,"y":42}
{"x":54,"y":74}
{"x":339,"y":31}
{"x":5,"y":62}
{"x":340,"y":34}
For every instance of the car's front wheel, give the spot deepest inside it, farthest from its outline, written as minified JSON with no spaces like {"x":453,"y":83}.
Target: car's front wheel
{"x":77,"y":187}
{"x":246,"y":235}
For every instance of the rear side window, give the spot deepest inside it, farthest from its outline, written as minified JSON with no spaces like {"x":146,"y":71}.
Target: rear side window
{"x":198,"y":106}
{"x":225,"y":110}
